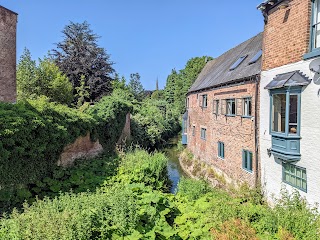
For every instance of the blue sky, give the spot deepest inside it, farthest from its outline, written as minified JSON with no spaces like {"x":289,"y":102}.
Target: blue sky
{"x":145,"y":36}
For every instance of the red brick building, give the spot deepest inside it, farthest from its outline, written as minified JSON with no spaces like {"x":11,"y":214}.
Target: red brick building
{"x":8,"y":27}
{"x":222,"y":114}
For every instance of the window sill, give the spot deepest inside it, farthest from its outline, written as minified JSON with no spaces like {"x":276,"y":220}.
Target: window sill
{"x":230,"y":115}
{"x":283,"y":135}
{"x":248,"y":171}
{"x":247,"y":116}
{"x":221,"y":158}
{"x":312,"y":54}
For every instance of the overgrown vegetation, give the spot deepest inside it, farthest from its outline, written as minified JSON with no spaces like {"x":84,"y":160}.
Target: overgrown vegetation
{"x":34,"y":133}
{"x":132,"y":203}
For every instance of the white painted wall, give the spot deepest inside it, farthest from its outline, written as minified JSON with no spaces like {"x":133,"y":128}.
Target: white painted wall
{"x":271,"y":171}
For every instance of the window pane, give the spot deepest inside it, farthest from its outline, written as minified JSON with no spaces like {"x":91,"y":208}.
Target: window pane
{"x":250,"y":161}
{"x":299,"y":183}
{"x":249,"y":107}
{"x":222,"y":146}
{"x":217,"y":107}
{"x":233,"y":107}
{"x":204,"y":101}
{"x":245,"y":159}
{"x":279,"y":113}
{"x":293,"y":114}
{"x":229,"y":107}
{"x":304,"y":184}
{"x":316,"y":26}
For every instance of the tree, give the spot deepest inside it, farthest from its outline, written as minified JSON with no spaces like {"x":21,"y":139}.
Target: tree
{"x":79,"y":55}
{"x":26,"y":75}
{"x":136,"y":87}
{"x":178,"y":83}
{"x":82,"y":92}
{"x":43,"y":80}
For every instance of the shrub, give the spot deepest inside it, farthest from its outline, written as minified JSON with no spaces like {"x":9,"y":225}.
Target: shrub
{"x":142,"y":167}
{"x":33,"y":135}
{"x":110,"y":113}
{"x":192,"y":189}
{"x":234,"y":229}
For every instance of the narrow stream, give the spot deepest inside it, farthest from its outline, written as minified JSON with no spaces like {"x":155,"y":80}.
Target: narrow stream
{"x":175,"y":171}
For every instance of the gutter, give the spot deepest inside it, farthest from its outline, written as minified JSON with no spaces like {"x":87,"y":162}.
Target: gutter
{"x":256,"y":127}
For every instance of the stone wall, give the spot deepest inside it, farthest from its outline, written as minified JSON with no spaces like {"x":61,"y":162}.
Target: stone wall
{"x":237,"y":133}
{"x":84,"y":147}
{"x":8,"y":25}
{"x":286,"y":34}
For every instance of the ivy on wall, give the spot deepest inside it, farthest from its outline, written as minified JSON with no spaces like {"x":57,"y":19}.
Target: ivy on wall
{"x":34,"y":133}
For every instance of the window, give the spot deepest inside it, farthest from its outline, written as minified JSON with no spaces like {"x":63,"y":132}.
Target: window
{"x":231,"y":107}
{"x":203,"y":133}
{"x":247,"y":160}
{"x":315,"y":28}
{"x":279,"y":113}
{"x":247,"y":107}
{"x":314,"y":46}
{"x":221,"y":149}
{"x":185,"y":127}
{"x":216,"y":107}
{"x":256,"y":57}
{"x":204,"y":101}
{"x":193,"y":130}
{"x":238,"y":62}
{"x":294,"y":176}
{"x":187,"y":104}
{"x":285,"y":106}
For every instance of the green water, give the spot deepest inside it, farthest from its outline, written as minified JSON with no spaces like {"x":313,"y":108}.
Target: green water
{"x":175,"y":171}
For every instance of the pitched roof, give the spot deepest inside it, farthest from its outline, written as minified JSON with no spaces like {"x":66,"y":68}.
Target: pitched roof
{"x":289,"y":79}
{"x":217,"y":71}
{"x":8,"y":10}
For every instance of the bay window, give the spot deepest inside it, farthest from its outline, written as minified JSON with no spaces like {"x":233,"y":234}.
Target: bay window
{"x":285,"y":110}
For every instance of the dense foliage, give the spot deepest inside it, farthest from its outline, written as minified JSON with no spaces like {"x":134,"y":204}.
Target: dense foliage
{"x":34,"y":133}
{"x":43,"y":80}
{"x":79,"y":56}
{"x":135,"y":86}
{"x":110,"y":113}
{"x":153,"y":123}
{"x":179,"y":82}
{"x":132,"y":203}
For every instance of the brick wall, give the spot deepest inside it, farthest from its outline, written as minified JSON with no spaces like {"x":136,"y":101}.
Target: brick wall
{"x":8,"y":23}
{"x":237,"y":133}
{"x":286,"y":34}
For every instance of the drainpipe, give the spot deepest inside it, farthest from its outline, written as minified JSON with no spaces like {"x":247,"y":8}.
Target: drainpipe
{"x":256,"y":127}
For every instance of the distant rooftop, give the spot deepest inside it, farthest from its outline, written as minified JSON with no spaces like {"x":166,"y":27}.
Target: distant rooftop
{"x":236,"y":64}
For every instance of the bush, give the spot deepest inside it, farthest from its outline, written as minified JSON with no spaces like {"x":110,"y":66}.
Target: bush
{"x":110,"y":113}
{"x":153,"y":123}
{"x":192,"y":189}
{"x":33,"y":135}
{"x":142,"y":167}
